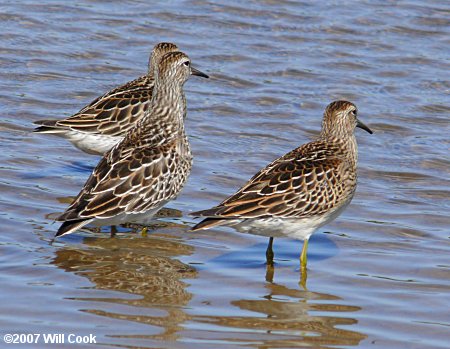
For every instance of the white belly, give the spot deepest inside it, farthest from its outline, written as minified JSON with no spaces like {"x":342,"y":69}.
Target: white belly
{"x":141,"y":218}
{"x":91,"y":143}
{"x":295,"y":228}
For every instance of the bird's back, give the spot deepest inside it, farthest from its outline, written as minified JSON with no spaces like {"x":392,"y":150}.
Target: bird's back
{"x":111,"y":114}
{"x":308,"y":181}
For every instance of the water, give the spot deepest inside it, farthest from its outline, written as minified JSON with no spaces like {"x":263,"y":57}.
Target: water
{"x":378,"y":276}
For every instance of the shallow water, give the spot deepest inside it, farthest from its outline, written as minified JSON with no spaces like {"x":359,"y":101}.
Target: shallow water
{"x":379,"y":276}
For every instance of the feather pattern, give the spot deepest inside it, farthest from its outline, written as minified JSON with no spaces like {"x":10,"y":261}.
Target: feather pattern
{"x":101,"y":124}
{"x":149,"y":167}
{"x":307,"y":181}
{"x":130,"y":181}
{"x":302,"y":190}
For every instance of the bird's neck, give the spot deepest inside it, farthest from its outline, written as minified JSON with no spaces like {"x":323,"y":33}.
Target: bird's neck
{"x":347,"y":144}
{"x":168,"y":107}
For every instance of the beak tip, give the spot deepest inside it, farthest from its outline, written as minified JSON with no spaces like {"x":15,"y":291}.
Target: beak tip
{"x":199,"y":73}
{"x":364,"y":127}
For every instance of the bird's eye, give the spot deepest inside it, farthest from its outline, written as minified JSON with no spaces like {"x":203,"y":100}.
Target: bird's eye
{"x":354,"y":112}
{"x":187,"y":63}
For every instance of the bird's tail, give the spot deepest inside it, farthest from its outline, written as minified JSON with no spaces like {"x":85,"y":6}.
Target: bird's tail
{"x":209,"y":223}
{"x":47,"y":126}
{"x":69,"y":227}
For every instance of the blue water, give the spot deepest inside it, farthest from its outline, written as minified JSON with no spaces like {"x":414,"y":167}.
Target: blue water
{"x":378,"y":276}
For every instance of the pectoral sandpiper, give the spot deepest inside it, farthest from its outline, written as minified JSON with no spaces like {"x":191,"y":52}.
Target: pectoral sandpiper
{"x":104,"y":122}
{"x":148,"y":167}
{"x":300,"y":191}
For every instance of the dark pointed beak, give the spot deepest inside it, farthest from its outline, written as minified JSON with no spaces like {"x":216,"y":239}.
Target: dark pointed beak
{"x":363,"y":126}
{"x":198,"y":73}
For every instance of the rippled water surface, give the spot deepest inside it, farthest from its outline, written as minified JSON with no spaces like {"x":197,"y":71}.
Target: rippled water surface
{"x":379,"y":276}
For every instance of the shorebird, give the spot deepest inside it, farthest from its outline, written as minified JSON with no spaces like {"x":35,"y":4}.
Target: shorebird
{"x":149,"y":167}
{"x":301,"y":191}
{"x":104,"y":122}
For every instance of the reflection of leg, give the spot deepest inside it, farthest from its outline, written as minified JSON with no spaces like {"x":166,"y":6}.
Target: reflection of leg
{"x":303,"y":277}
{"x":113,"y":231}
{"x":303,"y":256}
{"x":270,"y":270}
{"x":269,"y":253}
{"x":303,"y":261}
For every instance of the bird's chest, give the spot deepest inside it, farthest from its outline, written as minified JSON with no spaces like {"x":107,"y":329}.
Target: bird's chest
{"x":183,"y":149}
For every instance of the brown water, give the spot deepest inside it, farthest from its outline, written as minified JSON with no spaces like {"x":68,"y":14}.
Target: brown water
{"x":379,"y":276}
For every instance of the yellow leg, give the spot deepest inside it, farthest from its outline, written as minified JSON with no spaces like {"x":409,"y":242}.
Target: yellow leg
{"x":269,"y":253}
{"x":303,"y":256}
{"x":144,"y":232}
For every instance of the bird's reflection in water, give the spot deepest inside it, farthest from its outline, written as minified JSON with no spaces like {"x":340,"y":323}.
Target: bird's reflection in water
{"x":143,"y":266}
{"x":303,"y":275}
{"x":289,"y":318}
{"x":263,"y":314}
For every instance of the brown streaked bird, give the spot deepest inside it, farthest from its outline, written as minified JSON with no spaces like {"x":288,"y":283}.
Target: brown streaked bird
{"x":148,"y":167}
{"x":300,"y":191}
{"x":104,"y":122}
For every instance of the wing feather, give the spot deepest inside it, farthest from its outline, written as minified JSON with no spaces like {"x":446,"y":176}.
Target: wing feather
{"x":112,"y":113}
{"x":121,"y":184}
{"x":307,"y":181}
